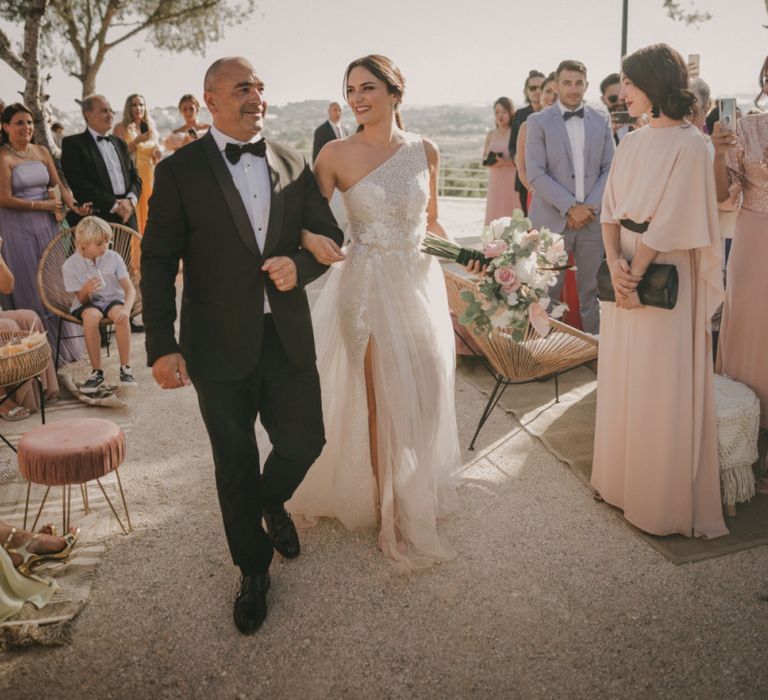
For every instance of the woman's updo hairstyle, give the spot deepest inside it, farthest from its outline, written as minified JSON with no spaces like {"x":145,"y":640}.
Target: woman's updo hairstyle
{"x":387,"y":72}
{"x":660,"y":72}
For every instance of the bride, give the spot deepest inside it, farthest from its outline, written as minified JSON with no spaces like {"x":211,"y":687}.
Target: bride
{"x":384,"y":336}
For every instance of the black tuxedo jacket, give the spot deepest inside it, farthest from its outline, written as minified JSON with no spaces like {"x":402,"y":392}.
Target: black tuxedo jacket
{"x":86,"y":173}
{"x":197,"y":215}
{"x":323,"y":134}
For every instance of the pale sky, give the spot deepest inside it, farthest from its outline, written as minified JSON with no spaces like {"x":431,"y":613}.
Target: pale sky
{"x":450,"y":51}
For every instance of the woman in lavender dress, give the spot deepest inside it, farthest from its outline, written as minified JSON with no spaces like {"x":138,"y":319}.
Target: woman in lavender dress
{"x":28,"y":218}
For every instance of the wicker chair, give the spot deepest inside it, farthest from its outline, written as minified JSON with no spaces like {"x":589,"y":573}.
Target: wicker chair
{"x":512,"y":362}
{"x":50,"y":281}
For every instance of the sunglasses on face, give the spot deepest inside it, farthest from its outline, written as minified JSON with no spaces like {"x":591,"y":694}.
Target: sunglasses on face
{"x":534,"y":87}
{"x":613,"y":99}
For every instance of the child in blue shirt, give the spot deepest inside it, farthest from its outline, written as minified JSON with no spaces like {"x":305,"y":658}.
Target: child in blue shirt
{"x":99,"y":281}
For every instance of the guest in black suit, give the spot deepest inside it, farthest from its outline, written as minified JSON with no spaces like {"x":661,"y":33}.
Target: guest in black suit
{"x":328,"y":130}
{"x":99,"y":168}
{"x":232,"y":208}
{"x":532,"y":92}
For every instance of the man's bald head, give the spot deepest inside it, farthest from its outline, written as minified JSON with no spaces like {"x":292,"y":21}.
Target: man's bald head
{"x":222,"y":67}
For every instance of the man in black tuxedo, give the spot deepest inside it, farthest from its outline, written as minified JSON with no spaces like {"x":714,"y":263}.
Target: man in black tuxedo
{"x":99,"y":168}
{"x":328,"y":130}
{"x":232,"y":207}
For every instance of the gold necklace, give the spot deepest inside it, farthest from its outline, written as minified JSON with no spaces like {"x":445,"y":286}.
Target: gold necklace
{"x":18,"y":154}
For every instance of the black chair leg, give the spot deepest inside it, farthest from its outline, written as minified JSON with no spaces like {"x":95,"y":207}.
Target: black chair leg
{"x":493,"y":399}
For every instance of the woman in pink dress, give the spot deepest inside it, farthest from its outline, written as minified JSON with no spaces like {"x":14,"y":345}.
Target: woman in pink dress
{"x":741,"y":171}
{"x":502,"y":199}
{"x":656,"y":454}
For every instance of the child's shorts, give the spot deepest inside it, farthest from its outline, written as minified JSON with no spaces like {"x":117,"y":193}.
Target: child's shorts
{"x":104,"y":308}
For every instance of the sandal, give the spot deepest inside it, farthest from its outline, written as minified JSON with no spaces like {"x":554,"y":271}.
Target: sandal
{"x":17,"y":413}
{"x":29,"y":559}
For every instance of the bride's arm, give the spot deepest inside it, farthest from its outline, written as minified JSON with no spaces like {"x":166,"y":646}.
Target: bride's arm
{"x":323,"y":249}
{"x":433,"y":161}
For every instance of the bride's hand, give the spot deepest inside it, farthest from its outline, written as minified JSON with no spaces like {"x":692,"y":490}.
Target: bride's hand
{"x":323,"y":249}
{"x":475,"y":268}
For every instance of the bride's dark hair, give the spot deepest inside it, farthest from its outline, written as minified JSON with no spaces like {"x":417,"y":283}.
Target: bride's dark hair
{"x":387,"y":72}
{"x":660,"y":72}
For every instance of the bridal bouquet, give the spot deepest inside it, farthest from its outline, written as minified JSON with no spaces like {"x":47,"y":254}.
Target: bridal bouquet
{"x":523,"y":263}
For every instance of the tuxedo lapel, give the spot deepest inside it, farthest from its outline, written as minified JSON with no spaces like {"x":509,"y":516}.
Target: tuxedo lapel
{"x":98,"y":160}
{"x":123,"y":163}
{"x":277,"y":178}
{"x":559,"y":125}
{"x":229,"y":191}
{"x":589,"y":137}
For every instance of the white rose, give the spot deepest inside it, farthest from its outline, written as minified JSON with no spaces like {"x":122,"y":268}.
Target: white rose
{"x":498,"y":226}
{"x":525,"y":269}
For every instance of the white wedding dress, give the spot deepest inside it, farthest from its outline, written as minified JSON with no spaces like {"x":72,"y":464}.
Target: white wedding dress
{"x":390,"y":293}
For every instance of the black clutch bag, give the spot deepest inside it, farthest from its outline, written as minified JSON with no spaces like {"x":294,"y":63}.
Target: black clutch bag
{"x":657,"y":288}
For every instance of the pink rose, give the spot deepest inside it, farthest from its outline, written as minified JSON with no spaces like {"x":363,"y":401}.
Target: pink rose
{"x":506,"y":277}
{"x":495,"y":248}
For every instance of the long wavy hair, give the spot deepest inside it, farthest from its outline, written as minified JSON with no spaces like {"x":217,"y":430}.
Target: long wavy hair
{"x":128,"y":119}
{"x":9,"y":113}
{"x":386,"y":71}
{"x":762,"y":81}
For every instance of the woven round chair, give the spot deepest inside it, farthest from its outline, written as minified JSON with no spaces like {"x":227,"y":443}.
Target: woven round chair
{"x":50,"y":281}
{"x":532,"y":358}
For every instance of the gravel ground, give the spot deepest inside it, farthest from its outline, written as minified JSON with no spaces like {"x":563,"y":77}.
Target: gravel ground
{"x":550,"y":596}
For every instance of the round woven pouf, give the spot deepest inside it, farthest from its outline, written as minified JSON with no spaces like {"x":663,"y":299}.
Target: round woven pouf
{"x":73,"y":451}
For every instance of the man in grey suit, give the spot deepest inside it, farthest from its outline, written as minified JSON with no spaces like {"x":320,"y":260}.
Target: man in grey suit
{"x":568,"y":153}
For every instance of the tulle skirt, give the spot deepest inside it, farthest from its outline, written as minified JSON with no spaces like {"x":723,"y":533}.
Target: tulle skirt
{"x":396,"y":301}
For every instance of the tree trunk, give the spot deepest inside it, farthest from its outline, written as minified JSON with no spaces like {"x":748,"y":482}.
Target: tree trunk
{"x":33,"y":95}
{"x":89,"y":73}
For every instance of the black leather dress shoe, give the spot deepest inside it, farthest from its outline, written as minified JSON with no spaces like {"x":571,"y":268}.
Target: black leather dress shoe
{"x":251,"y":603}
{"x":282,"y":532}
{"x":136,"y":327}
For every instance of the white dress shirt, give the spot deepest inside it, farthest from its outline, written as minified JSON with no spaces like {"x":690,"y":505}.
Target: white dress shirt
{"x":337,"y":129}
{"x":575,"y":128}
{"x":251,"y":178}
{"x":114,"y":167}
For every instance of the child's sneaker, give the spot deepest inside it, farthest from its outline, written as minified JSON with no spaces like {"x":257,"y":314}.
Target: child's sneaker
{"x":126,"y":376}
{"x":93,"y":383}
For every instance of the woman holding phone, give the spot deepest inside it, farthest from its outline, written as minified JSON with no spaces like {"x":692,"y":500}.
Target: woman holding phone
{"x":191,"y":129}
{"x":656,"y":454}
{"x":741,"y":173}
{"x":137,"y":129}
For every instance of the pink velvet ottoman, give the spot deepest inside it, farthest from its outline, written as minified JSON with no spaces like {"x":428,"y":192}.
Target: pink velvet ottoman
{"x":72,"y":451}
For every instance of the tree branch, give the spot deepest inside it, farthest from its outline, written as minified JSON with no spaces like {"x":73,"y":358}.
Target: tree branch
{"x":8,"y":55}
{"x":158,"y":18}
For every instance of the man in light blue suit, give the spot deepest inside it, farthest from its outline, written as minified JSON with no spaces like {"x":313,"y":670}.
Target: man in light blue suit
{"x":568,"y":153}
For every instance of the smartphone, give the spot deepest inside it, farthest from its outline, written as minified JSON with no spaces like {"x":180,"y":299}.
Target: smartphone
{"x":726,"y":106}
{"x":143,"y":127}
{"x":622,"y":118}
{"x":694,"y":65}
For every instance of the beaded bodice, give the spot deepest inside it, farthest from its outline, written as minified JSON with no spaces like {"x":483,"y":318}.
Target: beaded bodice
{"x":387,"y":209}
{"x":748,"y":163}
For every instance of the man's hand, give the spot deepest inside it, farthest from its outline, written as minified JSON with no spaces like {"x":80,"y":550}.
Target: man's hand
{"x":170,"y":371}
{"x":124,"y":209}
{"x":282,"y":272}
{"x":579,"y":215}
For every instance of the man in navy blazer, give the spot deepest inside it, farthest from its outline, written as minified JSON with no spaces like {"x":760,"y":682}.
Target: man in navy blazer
{"x":568,"y":154}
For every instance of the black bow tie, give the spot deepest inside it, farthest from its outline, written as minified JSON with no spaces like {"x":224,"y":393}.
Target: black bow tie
{"x":102,"y":138}
{"x":233,"y":151}
{"x":578,"y":113}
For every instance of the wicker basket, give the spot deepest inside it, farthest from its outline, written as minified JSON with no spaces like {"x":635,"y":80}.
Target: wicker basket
{"x":25,"y":365}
